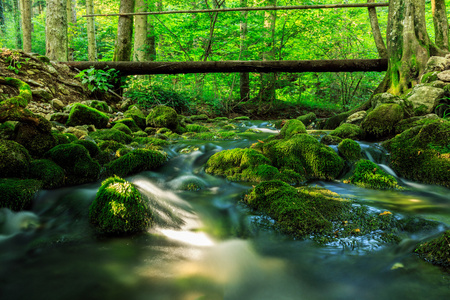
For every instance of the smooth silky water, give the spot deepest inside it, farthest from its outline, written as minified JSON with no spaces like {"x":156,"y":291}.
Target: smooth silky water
{"x":205,"y":245}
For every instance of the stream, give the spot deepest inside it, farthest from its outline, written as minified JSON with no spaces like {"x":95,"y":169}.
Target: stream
{"x":206,"y":244}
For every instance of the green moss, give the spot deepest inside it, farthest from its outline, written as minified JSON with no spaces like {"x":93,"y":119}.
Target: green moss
{"x":291,"y":128}
{"x":81,"y":114}
{"x":92,"y":147}
{"x":162,"y":116}
{"x":110,"y":146}
{"x":24,"y":96}
{"x":241,"y":165}
{"x":77,"y":163}
{"x":201,"y":117}
{"x":150,"y":141}
{"x":100,"y":105}
{"x":369,"y":175}
{"x":241,"y":118}
{"x":137,"y":115}
{"x":308,"y":118}
{"x":70,"y":136}
{"x":111,"y":135}
{"x":122,"y":127}
{"x":298,"y":211}
{"x":330,"y":140}
{"x":348,"y":131}
{"x":290,"y":177}
{"x":140,"y":134}
{"x":382,"y":120}
{"x":36,"y":141}
{"x":14,"y":159}
{"x":415,"y":153}
{"x":305,"y":155}
{"x":429,"y":77}
{"x":119,"y":209}
{"x":196,"y":128}
{"x":136,"y":161}
{"x":61,"y":138}
{"x":18,"y":194}
{"x":47,"y":171}
{"x":129,"y":122}
{"x":219,"y":119}
{"x":436,"y":251}
{"x":349,"y":150}
{"x":229,"y":127}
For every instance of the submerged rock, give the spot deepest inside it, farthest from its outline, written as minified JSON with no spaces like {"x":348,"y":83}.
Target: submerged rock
{"x":119,"y":208}
{"x":436,"y":251}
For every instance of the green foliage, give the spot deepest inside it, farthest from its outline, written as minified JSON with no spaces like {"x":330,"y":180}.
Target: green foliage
{"x":119,"y":208}
{"x":18,"y":194}
{"x":99,"y":80}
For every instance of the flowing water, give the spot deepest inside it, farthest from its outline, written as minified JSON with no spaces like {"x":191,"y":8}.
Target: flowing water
{"x":205,"y":245}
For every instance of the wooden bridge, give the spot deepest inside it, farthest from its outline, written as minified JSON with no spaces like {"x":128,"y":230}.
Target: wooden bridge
{"x":291,"y":66}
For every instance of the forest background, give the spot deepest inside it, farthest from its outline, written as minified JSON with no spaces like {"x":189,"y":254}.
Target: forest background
{"x":281,"y":35}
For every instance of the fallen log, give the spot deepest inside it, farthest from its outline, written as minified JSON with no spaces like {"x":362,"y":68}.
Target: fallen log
{"x":289,"y":66}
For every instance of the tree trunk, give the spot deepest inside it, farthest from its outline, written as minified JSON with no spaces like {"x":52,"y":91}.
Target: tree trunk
{"x":267,"y":89}
{"x":141,"y":40}
{"x":381,"y":48}
{"x":440,"y":24}
{"x":92,"y":45}
{"x":71,"y":21}
{"x":124,"y":39}
{"x":408,"y":46}
{"x":26,"y":24}
{"x":2,"y":16}
{"x":17,"y":24}
{"x":151,"y":36}
{"x":244,"y":77}
{"x":56,"y":30}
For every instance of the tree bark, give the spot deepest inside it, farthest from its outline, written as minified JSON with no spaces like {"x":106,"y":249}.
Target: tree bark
{"x":124,"y":39}
{"x":440,"y":22}
{"x":244,"y":83}
{"x":408,"y":46}
{"x":17,"y":23}
{"x":381,"y":48}
{"x":291,"y":66}
{"x":26,"y":24}
{"x":92,"y":45}
{"x":267,"y":88}
{"x":141,"y":40}
{"x":56,"y":30}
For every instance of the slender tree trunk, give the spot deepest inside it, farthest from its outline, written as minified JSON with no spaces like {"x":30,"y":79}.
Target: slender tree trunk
{"x":151,"y":35}
{"x":141,"y":41}
{"x":71,"y":21}
{"x":124,"y":39}
{"x":244,"y":83}
{"x":26,"y":24}
{"x":440,"y":23}
{"x":267,"y":89}
{"x":92,"y":45}
{"x":56,"y":30}
{"x":17,"y":22}
{"x":382,"y":52}
{"x":408,"y":46}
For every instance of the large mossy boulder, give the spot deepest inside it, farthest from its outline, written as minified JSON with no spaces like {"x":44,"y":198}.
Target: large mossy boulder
{"x":130,"y":123}
{"x":18,"y":194}
{"x":37,"y":140}
{"x":425,"y":98}
{"x":348,"y":131}
{"x":368,"y":174}
{"x":436,"y":251}
{"x":137,"y":115}
{"x":422,"y":153}
{"x":349,"y":150}
{"x":81,"y":114}
{"x":111,"y":135}
{"x":47,"y":171}
{"x":119,"y":209}
{"x":291,"y":128}
{"x":76,"y":162}
{"x":380,"y":122}
{"x":14,"y":159}
{"x":136,"y":161}
{"x":162,"y":116}
{"x":298,"y":211}
{"x":305,"y":155}
{"x":385,"y":98}
{"x":308,"y":118}
{"x":241,"y":165}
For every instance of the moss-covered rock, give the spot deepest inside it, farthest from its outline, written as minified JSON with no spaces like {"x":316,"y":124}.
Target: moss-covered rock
{"x":99,"y":105}
{"x":369,"y":175}
{"x":136,"y":161}
{"x":119,"y":209}
{"x":81,"y":114}
{"x":381,"y":121}
{"x":305,"y":155}
{"x":25,"y":94}
{"x":14,"y":159}
{"x":349,"y":150}
{"x":150,"y":141}
{"x":47,"y":171}
{"x":308,"y":118}
{"x":137,"y":115}
{"x":196,"y":128}
{"x":292,"y":127}
{"x":18,"y":194}
{"x":111,"y":135}
{"x":110,"y":146}
{"x":298,"y":211}
{"x":422,"y":153}
{"x":241,"y":165}
{"x":162,"y":116}
{"x":406,"y":124}
{"x":92,"y":147}
{"x":330,"y":140}
{"x":34,"y":139}
{"x":436,"y":251}
{"x":76,"y":162}
{"x":122,"y":127}
{"x":130,"y":123}
{"x":348,"y":131}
